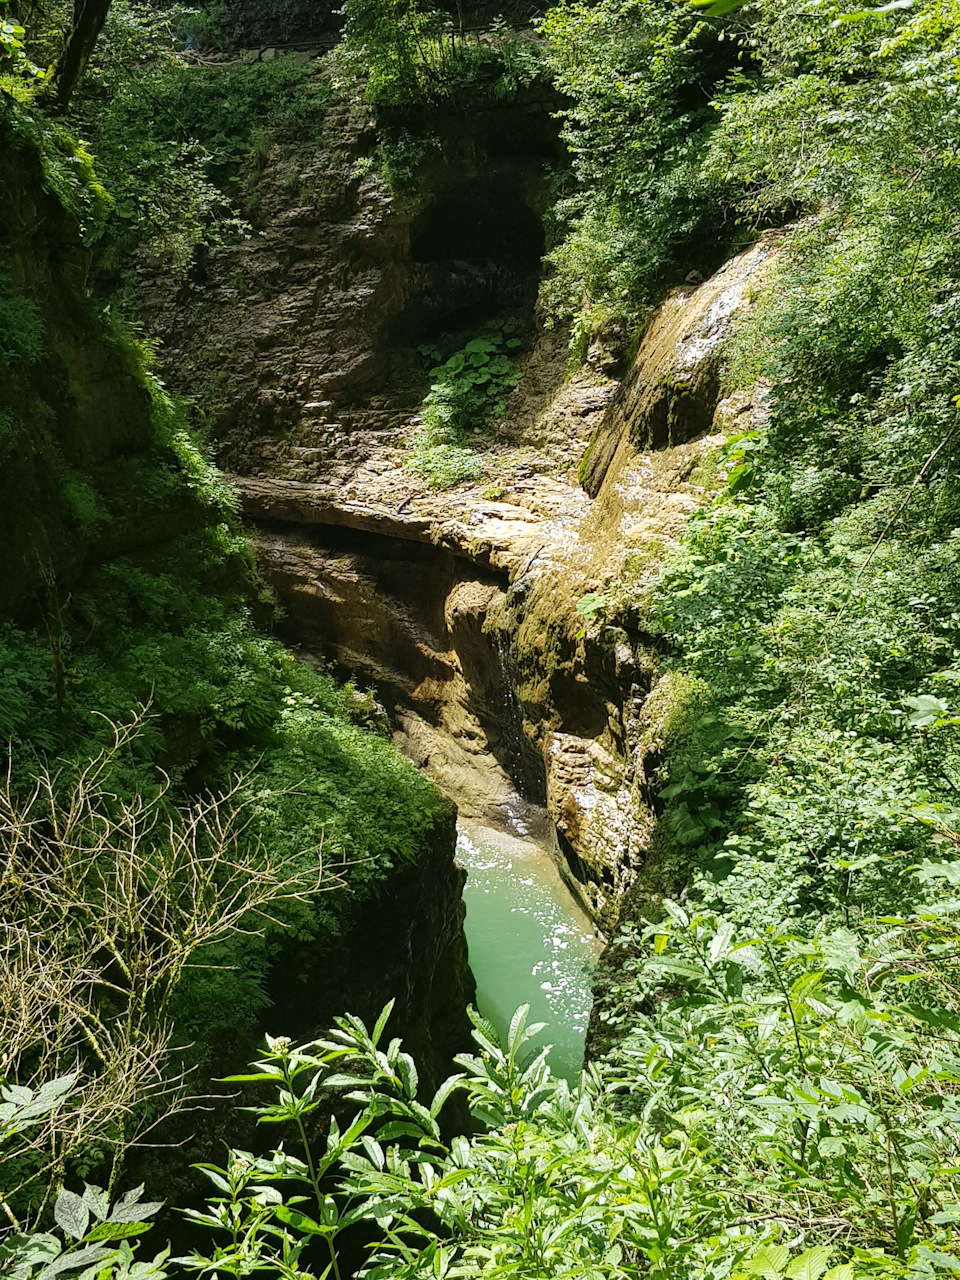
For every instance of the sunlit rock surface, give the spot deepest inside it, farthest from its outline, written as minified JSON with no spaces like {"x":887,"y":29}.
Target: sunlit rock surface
{"x":459,"y":607}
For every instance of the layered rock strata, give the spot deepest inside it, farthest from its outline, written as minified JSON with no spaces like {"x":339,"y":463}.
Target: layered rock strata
{"x":459,"y":608}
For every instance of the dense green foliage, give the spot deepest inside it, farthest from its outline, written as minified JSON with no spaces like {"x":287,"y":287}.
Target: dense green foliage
{"x":688,"y":132}
{"x":782,"y":1105}
{"x":407,"y":60}
{"x":178,"y":145}
{"x":641,"y":203}
{"x":813,"y":608}
{"x":402,"y":54}
{"x":171,"y":628}
{"x":811,"y":620}
{"x":469,"y":390}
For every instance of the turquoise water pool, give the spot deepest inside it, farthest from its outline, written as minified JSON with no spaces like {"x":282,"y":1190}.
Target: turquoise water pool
{"x":530,"y":942}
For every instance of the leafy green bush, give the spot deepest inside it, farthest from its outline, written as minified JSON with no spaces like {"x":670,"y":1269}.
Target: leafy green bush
{"x":470,"y":388}
{"x":400,"y":54}
{"x":820,"y":592}
{"x":639,"y":76}
{"x":26,"y":686}
{"x":91,"y":1229}
{"x":780,"y":1105}
{"x":407,"y":60}
{"x":691,"y":130}
{"x":177,"y":143}
{"x":13,"y":60}
{"x":21,"y":333}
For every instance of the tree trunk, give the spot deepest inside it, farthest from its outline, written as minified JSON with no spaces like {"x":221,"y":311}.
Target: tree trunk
{"x":88,"y":18}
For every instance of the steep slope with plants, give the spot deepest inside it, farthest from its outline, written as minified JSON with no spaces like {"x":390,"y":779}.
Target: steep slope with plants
{"x":178,"y":788}
{"x":775,"y":1062}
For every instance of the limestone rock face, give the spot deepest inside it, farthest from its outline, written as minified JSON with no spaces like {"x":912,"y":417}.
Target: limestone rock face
{"x":670,"y":394}
{"x":460,"y":607}
{"x":300,"y":342}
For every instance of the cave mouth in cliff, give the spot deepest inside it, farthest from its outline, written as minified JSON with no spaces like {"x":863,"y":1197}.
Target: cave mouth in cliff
{"x":477,"y":247}
{"x":478,"y":220}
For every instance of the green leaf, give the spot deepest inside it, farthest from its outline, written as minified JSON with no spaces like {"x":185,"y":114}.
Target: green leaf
{"x":811,"y":1264}
{"x":130,"y":1208}
{"x":892,"y":7}
{"x":119,"y":1230}
{"x":382,"y":1022}
{"x":30,"y":1250}
{"x":71,"y":1214}
{"x":76,"y":1260}
{"x":515,"y":1035}
{"x":299,"y":1221}
{"x":927,"y":710}
{"x":444,"y":1092}
{"x":252,"y":1077}
{"x":769,"y":1262}
{"x":407,"y":1071}
{"x":589,"y":605}
{"x":96,"y":1200}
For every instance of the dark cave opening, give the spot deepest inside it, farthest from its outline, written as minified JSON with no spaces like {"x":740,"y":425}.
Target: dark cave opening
{"x":478,"y":220}
{"x":476,"y":248}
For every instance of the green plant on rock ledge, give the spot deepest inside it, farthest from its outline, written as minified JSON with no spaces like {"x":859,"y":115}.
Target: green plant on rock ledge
{"x":397,"y":53}
{"x":469,"y":390}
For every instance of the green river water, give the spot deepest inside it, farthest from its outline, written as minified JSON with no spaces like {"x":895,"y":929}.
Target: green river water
{"x":530,"y":942}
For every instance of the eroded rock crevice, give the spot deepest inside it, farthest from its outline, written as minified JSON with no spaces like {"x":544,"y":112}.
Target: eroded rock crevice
{"x":459,"y":608}
{"x":416,"y":622}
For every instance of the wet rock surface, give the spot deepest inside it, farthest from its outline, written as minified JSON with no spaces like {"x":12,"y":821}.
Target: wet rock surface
{"x":461,"y":611}
{"x":459,"y":607}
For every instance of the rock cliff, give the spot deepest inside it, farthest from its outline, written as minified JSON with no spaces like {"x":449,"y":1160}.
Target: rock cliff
{"x":459,"y":607}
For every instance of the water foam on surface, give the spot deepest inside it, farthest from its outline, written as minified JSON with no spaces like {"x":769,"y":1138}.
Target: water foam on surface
{"x":530,"y":942}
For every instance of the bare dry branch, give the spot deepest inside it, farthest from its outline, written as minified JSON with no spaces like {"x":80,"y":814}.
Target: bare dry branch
{"x":104,"y":900}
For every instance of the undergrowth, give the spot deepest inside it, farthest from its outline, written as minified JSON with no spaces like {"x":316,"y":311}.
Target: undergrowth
{"x":469,"y":392}
{"x":180,"y":146}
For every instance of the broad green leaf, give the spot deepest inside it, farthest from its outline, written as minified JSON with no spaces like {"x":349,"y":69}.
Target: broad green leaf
{"x":96,"y":1200}
{"x":407,"y":1072}
{"x":299,"y":1221}
{"x":811,"y":1264}
{"x":71,"y":1214}
{"x":75,"y":1260}
{"x":926,"y":710}
{"x":130,"y":1208}
{"x":119,"y":1230}
{"x":382,"y":1022}
{"x":444,"y":1092}
{"x":769,"y":1262}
